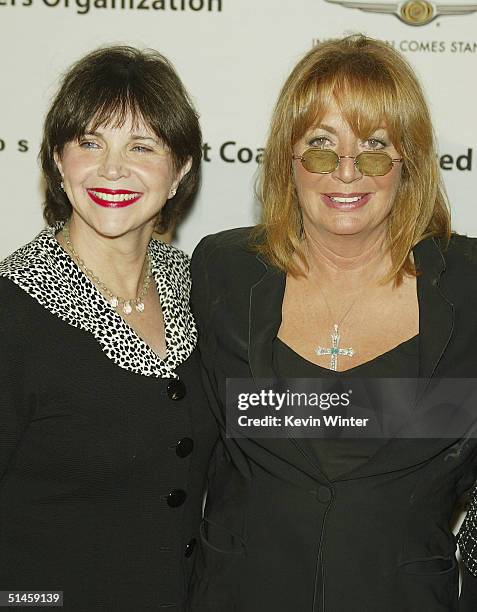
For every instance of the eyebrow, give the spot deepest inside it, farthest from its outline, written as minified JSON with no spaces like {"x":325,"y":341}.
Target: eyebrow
{"x":327,"y":128}
{"x":132,"y":136}
{"x":141,"y":137}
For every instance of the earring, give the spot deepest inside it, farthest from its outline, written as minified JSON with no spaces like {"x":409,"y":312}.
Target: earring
{"x":62,"y":185}
{"x":172,"y":192}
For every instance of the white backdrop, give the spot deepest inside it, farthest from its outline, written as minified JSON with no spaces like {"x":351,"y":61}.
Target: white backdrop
{"x":233,"y":56}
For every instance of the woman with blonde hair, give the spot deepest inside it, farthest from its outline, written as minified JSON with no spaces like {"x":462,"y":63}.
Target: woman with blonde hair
{"x":352,"y":273}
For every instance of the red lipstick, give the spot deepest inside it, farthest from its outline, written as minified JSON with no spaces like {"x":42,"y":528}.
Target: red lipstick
{"x":113,"y":198}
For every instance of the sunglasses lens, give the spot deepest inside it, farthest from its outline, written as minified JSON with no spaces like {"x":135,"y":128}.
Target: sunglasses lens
{"x":374,"y":164}
{"x":322,"y":162}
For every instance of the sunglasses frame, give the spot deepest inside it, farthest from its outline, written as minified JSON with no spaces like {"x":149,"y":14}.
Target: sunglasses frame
{"x":354,"y":157}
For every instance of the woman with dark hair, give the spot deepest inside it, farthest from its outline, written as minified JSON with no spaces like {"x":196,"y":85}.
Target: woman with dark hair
{"x":352,"y":273}
{"x":105,"y":433}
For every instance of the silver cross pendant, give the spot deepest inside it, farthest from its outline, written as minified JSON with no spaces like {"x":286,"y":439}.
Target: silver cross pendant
{"x":335,"y":349}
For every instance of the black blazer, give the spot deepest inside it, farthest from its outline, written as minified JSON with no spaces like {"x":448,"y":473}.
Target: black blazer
{"x":278,"y":535}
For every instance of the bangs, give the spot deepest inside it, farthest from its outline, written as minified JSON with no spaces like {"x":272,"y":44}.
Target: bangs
{"x":366,"y":98}
{"x":110,"y":96}
{"x":123,"y":87}
{"x":114,"y":112}
{"x":108,"y":108}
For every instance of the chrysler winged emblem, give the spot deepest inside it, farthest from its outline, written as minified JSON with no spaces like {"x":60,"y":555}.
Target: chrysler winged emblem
{"x":412,"y":12}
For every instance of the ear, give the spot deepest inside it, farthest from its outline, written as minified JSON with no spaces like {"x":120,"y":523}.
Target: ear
{"x":58,"y":163}
{"x":182,"y":172}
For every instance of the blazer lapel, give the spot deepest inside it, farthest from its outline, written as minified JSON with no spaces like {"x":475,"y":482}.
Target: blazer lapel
{"x":436,"y":325}
{"x":436,"y":311}
{"x":265,"y":317}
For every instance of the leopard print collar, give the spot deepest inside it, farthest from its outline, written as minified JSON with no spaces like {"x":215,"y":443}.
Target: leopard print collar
{"x":46,"y":272}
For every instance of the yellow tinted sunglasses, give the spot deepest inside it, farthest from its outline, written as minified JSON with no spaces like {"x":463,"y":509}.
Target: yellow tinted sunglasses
{"x":368,"y":163}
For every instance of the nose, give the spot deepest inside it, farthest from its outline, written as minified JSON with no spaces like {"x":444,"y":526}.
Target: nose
{"x":346,"y":172}
{"x":113,"y":166}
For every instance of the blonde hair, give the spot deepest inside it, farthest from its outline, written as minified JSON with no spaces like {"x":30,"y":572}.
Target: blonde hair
{"x":372,"y":85}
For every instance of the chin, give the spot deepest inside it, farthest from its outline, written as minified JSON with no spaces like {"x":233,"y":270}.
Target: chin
{"x":348,"y":227}
{"x":112,"y":228}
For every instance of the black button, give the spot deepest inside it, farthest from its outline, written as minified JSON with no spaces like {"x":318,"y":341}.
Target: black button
{"x":189,"y":549}
{"x":184,"y":447}
{"x":176,"y":389}
{"x":324,"y":494}
{"x":176,"y":498}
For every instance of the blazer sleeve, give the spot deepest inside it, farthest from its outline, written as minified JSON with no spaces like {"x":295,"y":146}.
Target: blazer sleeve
{"x":202,"y":310}
{"x":14,"y":402}
{"x":200,"y":284}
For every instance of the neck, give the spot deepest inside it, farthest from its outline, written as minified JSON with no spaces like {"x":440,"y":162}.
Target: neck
{"x":347,"y":260}
{"x":118,"y":262}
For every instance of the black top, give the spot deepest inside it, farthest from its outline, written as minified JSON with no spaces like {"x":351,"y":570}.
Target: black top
{"x":378,"y":538}
{"x":336,"y":456}
{"x":102,"y":456}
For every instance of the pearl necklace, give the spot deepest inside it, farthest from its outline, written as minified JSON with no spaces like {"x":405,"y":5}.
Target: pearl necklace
{"x":114,"y":300}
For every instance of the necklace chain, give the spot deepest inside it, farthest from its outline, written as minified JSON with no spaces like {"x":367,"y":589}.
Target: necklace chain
{"x":347,"y":311}
{"x":335,"y":350}
{"x":114,"y":300}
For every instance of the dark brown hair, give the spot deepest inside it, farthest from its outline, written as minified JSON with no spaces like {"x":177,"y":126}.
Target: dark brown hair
{"x":104,"y":88}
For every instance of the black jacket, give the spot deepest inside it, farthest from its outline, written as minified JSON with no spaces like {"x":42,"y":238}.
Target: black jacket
{"x":277,"y":535}
{"x":103,"y":457}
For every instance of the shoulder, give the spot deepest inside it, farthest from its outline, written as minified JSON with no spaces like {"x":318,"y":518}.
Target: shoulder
{"x":460,"y":257}
{"x":459,"y":272}
{"x":234,"y":243}
{"x":171,"y":267}
{"x":23,"y":267}
{"x":463,"y":248}
{"x":20,"y":317}
{"x":21,"y":260}
{"x":235,"y":239}
{"x":455,"y":258}
{"x":13,"y":299}
{"x":224,"y":264}
{"x":170,"y":259}
{"x":228,"y":257}
{"x":162,"y":251}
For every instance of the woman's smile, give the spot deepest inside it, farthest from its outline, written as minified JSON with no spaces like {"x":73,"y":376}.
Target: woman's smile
{"x":346,"y":201}
{"x":113,"y":198}
{"x":112,"y":168}
{"x":333,"y":203}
